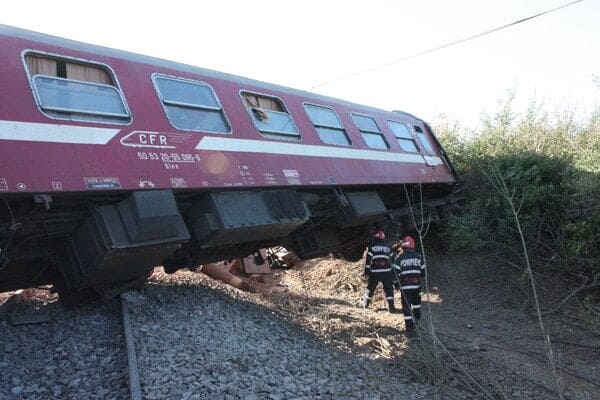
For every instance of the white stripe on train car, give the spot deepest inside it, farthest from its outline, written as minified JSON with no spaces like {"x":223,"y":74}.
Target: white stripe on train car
{"x":37,"y":132}
{"x":433,"y":160}
{"x":306,"y":150}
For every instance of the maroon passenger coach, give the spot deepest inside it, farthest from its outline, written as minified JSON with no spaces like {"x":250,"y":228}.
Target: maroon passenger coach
{"x":112,"y":163}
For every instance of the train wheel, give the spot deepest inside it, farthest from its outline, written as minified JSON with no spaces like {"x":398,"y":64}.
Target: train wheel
{"x":116,"y":288}
{"x":353,"y":254}
{"x":70,"y":297}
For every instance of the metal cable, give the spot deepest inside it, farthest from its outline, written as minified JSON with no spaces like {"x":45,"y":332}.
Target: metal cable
{"x":446,"y":45}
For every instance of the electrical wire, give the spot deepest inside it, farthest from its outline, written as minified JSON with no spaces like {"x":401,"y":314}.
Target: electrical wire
{"x":445,"y":45}
{"x":12,"y":215}
{"x":11,"y":231}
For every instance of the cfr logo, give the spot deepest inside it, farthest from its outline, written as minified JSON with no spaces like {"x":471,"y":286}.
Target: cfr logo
{"x":152,"y":139}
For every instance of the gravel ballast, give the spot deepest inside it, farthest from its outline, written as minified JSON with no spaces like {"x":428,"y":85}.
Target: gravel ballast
{"x":194,"y":342}
{"x":79,"y":354}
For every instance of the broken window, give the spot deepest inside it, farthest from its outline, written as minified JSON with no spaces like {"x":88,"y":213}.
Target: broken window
{"x":270,"y":116}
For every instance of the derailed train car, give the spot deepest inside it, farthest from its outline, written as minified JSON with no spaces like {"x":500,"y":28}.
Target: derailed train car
{"x":112,"y":163}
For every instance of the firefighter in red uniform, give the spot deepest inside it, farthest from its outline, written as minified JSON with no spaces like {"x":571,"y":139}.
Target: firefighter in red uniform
{"x":378,"y":268}
{"x":409,"y":268}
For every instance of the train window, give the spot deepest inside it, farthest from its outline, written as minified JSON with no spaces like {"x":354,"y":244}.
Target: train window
{"x":424,"y":140}
{"x":73,"y":90}
{"x":328,"y":125}
{"x":270,"y":116}
{"x":403,"y":136}
{"x":191,"y":105}
{"x":370,"y":132}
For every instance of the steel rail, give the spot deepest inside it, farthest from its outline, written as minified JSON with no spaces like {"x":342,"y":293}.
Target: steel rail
{"x":135,"y":389}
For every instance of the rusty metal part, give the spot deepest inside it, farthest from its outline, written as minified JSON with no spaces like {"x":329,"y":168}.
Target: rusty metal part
{"x":290,"y":259}
{"x":221,"y":272}
{"x":257,"y":263}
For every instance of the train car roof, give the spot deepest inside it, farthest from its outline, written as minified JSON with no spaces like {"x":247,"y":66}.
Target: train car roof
{"x":6,"y":30}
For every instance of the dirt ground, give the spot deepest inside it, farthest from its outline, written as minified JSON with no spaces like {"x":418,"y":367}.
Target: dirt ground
{"x":489,"y":341}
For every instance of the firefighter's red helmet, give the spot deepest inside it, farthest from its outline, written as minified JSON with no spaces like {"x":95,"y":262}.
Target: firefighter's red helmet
{"x":379,"y":235}
{"x":408,"y":242}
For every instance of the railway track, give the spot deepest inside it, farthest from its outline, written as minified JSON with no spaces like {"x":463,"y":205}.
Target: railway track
{"x":135,"y":390}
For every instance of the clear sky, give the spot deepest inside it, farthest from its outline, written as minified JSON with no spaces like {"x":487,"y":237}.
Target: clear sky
{"x":300,"y":44}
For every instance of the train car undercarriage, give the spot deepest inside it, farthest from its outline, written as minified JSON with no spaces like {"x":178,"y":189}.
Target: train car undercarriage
{"x":105,"y":244}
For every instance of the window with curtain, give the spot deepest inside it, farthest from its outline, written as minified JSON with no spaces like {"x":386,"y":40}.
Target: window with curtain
{"x":328,"y":125}
{"x":43,"y":65}
{"x":270,"y":116}
{"x":191,"y":105}
{"x":370,"y":131}
{"x":72,"y":90}
{"x":403,"y":136}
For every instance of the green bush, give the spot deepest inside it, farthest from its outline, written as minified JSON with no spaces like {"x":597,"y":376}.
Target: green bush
{"x":551,"y":164}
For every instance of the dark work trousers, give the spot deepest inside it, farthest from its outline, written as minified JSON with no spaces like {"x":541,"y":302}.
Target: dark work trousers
{"x":411,"y":307}
{"x":387,"y":279}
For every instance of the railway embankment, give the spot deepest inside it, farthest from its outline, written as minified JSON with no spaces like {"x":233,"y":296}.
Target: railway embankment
{"x":197,"y":342}
{"x":299,"y":335}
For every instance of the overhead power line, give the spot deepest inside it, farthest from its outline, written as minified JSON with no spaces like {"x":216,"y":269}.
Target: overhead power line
{"x":443,"y":46}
